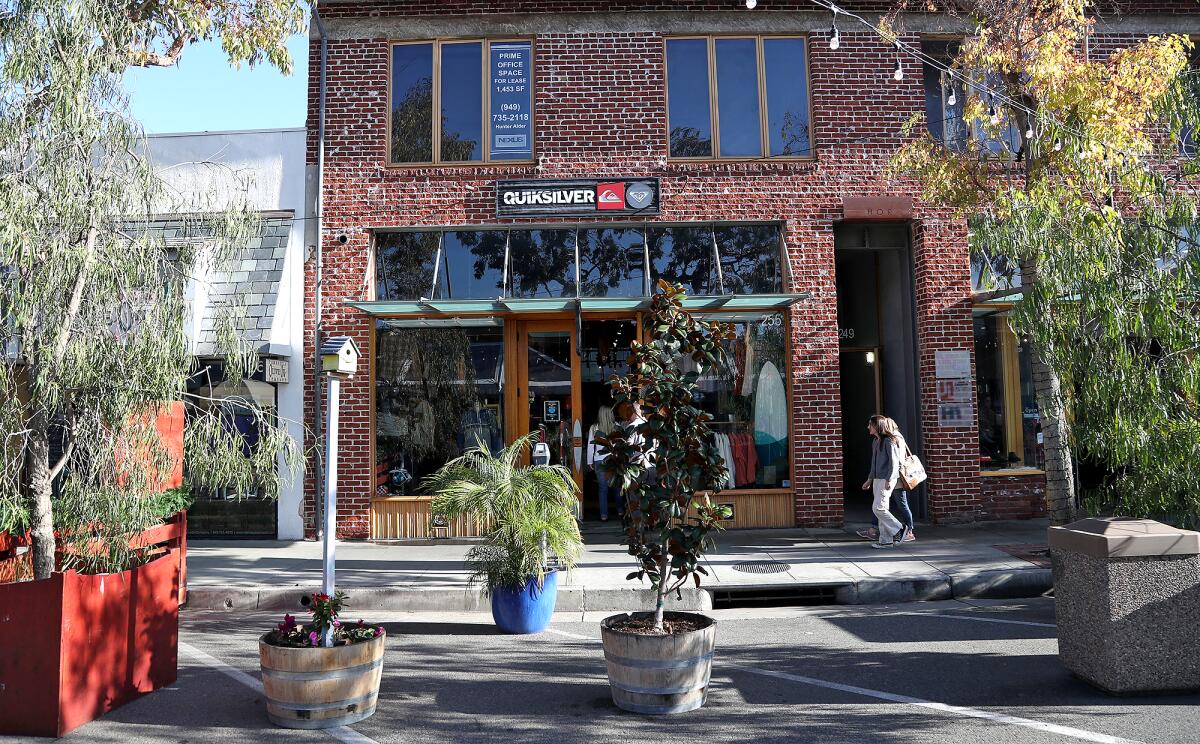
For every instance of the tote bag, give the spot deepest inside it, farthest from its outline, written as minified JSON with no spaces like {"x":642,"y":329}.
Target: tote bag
{"x":912,"y":472}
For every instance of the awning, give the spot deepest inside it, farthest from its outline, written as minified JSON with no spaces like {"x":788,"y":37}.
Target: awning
{"x":558,"y":305}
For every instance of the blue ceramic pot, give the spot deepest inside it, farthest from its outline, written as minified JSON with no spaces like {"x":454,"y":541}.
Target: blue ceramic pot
{"x":525,"y":609}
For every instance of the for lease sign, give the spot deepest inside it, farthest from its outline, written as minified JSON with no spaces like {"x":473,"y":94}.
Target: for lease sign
{"x":577,"y":197}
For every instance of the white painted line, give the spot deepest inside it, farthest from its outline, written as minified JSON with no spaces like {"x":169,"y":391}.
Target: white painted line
{"x":906,"y":700}
{"x":1052,"y":728}
{"x":979,"y":619}
{"x":341,"y":733}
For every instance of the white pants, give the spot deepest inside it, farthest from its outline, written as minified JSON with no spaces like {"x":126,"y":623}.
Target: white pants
{"x":889,"y":526}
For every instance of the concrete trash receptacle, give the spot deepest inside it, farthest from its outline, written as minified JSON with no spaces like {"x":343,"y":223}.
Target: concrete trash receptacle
{"x":1127,"y":595}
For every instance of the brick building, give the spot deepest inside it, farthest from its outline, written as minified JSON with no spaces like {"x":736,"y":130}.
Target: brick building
{"x":491,"y":261}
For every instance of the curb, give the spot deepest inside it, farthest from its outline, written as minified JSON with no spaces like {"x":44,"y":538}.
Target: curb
{"x":993,"y":584}
{"x":421,"y":599}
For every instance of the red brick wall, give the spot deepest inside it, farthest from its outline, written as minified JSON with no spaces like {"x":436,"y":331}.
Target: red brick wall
{"x":1012,"y":496}
{"x":601,"y":110}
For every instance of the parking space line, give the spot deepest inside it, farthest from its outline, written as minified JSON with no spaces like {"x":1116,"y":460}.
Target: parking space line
{"x":1051,"y":728}
{"x":341,"y":733}
{"x":978,"y":619}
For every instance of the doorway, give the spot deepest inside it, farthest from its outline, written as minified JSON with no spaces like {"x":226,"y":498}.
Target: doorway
{"x":560,"y":390}
{"x":877,"y":345}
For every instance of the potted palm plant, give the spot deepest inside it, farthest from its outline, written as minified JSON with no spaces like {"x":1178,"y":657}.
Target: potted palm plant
{"x":663,"y":456}
{"x":529,"y":512}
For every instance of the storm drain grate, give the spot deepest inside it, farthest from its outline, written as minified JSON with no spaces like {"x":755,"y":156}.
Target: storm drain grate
{"x":789,"y":596}
{"x":761,"y":567}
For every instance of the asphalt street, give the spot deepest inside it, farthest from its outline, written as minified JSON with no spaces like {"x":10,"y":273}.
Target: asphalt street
{"x":983,"y":671}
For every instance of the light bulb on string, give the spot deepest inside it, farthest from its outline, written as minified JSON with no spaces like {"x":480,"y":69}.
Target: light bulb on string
{"x":953,"y":99}
{"x":835,"y":38}
{"x":1029,"y":132}
{"x":1057,"y":144}
{"x":750,"y":4}
{"x":898,"y":74}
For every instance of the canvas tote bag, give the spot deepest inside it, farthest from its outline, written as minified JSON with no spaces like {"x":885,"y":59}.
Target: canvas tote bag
{"x":912,"y":472}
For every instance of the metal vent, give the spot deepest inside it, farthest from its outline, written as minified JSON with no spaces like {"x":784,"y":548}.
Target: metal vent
{"x":761,"y":567}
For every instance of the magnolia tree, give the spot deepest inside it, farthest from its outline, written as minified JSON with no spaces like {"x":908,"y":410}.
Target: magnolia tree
{"x":1088,"y":215}
{"x":664,"y":458}
{"x":92,"y":305}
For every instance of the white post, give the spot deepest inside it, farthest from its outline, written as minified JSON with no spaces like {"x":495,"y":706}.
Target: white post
{"x":331,"y":467}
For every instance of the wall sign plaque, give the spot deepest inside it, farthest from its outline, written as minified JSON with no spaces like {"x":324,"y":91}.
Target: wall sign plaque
{"x":577,"y":197}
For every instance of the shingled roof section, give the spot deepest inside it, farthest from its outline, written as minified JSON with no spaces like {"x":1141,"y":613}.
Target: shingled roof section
{"x":251,"y":280}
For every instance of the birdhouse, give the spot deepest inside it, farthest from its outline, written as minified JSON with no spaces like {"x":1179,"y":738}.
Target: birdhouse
{"x":339,"y":356}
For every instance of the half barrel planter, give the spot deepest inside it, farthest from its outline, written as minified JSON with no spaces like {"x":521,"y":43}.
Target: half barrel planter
{"x":317,"y":688}
{"x":659,"y":674}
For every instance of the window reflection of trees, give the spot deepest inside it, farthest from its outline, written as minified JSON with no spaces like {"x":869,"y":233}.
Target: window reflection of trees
{"x":683,"y":255}
{"x":404,"y":265}
{"x":485,"y":252}
{"x":542,"y":263}
{"x":690,"y":142}
{"x":425,"y":381}
{"x":749,"y":259}
{"x":611,"y":263}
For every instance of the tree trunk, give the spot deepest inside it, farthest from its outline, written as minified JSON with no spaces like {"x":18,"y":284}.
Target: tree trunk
{"x":664,"y":562}
{"x":39,"y":484}
{"x":1056,"y":431}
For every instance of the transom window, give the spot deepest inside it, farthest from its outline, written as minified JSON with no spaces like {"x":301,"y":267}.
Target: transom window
{"x":482,"y":91}
{"x":569,"y":262}
{"x":738,"y":97}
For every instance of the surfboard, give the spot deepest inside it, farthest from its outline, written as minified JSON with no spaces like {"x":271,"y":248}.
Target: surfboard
{"x":577,"y":435}
{"x":770,"y":415}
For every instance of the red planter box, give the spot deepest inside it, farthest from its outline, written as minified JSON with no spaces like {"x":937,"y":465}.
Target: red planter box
{"x":73,"y":647}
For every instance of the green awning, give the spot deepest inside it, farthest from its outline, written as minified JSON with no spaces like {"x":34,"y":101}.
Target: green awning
{"x":559,"y":305}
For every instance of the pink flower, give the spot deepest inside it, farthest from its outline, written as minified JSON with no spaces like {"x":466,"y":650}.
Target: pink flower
{"x":313,"y":638}
{"x":378,"y":631}
{"x":361,"y":623}
{"x":289,"y":621}
{"x":337,"y":623}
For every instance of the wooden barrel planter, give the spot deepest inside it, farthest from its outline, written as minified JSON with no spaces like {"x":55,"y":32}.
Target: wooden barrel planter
{"x":659,"y":673}
{"x":316,"y":688}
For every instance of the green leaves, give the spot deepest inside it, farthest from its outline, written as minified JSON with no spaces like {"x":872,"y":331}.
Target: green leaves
{"x":667,"y":524}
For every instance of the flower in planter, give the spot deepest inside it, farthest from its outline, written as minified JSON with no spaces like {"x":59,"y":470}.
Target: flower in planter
{"x":324,"y":610}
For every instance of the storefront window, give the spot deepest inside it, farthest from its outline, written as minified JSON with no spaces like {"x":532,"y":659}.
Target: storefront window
{"x":482,"y":92}
{"x":437,"y":392}
{"x":707,"y":260}
{"x":542,"y":263}
{"x":611,"y":262}
{"x":749,"y":403}
{"x":404,"y":265}
{"x":756,"y":97}
{"x":1010,"y":432}
{"x":683,"y":255}
{"x":472,"y":265}
{"x":750,"y":258}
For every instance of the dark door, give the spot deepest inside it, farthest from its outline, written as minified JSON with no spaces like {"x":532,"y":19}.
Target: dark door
{"x":860,"y":400}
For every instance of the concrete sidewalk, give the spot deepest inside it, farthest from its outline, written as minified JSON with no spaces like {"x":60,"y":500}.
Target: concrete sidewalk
{"x":750,"y":567}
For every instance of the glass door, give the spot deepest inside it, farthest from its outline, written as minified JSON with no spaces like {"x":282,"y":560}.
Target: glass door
{"x":547,"y":394}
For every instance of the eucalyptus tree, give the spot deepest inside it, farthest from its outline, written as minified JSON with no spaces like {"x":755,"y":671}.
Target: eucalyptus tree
{"x":1090,"y":209}
{"x":93,"y":306}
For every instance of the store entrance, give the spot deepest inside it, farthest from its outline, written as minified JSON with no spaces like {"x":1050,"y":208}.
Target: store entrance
{"x":560,"y":392}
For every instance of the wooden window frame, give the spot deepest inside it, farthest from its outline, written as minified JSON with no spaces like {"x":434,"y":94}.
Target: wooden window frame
{"x":1010,"y":378}
{"x":486,"y":93}
{"x":713,"y":102}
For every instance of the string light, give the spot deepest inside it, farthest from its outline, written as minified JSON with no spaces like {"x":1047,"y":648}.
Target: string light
{"x":1029,"y":132}
{"x":835,"y":39}
{"x":750,"y":4}
{"x":953,"y":99}
{"x":898,"y":75}
{"x":1057,"y":144}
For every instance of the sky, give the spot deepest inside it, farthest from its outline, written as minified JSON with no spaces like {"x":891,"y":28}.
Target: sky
{"x":204,"y":93}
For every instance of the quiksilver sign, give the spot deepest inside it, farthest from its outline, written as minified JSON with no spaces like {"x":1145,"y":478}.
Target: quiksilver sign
{"x":577,"y":197}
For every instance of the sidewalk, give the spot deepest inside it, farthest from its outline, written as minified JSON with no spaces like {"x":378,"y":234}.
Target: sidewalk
{"x":751,"y":567}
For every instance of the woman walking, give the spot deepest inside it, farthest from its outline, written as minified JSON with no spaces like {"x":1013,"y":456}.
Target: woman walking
{"x":886,"y":452}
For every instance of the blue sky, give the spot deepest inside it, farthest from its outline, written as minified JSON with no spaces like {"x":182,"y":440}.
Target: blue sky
{"x":204,"y":93}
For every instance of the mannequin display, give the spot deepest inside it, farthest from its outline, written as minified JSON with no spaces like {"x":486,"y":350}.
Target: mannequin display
{"x":479,"y":425}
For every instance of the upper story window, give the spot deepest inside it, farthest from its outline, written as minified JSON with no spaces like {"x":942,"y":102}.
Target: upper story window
{"x":1188,"y":137}
{"x":738,"y":97}
{"x":945,"y":97}
{"x":482,"y":92}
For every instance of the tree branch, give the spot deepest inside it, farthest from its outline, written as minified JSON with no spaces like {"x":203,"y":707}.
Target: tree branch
{"x":169,"y":58}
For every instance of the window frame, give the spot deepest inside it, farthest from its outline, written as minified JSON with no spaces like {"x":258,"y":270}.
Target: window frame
{"x":714,"y":104}
{"x":972,"y":128}
{"x":1010,"y":378}
{"x":485,"y":92}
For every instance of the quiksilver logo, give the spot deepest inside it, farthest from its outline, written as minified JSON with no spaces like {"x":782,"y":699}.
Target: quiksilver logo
{"x":548,"y":196}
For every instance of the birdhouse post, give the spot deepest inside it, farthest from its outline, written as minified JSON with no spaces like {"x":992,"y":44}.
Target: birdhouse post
{"x":339,"y":359}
